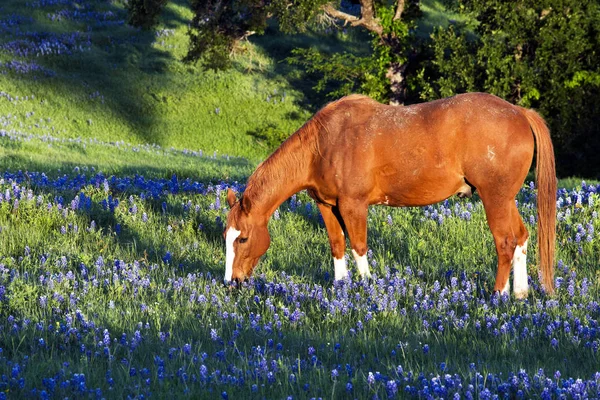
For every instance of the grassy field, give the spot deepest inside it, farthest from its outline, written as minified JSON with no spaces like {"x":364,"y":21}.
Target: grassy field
{"x":114,"y":162}
{"x":77,"y":70}
{"x":111,"y":286}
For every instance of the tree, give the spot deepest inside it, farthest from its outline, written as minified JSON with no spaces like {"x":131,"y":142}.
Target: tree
{"x":219,"y":25}
{"x":541,"y":54}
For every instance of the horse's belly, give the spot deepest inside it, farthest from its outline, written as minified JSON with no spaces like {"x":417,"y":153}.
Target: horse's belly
{"x":420,"y":191}
{"x":417,"y":199}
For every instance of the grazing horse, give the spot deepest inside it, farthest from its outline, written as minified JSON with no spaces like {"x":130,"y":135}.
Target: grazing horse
{"x":356,"y":152}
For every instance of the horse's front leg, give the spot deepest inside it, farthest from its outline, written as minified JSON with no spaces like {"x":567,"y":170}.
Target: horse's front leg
{"x":333,"y":223}
{"x":355,"y":218}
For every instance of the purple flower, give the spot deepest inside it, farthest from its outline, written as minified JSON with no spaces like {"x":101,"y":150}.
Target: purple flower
{"x":106,"y":338}
{"x":391,"y":388}
{"x":370,"y":379}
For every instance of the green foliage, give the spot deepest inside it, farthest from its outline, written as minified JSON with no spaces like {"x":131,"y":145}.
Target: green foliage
{"x":391,"y":27}
{"x":293,"y":17}
{"x":446,"y":63}
{"x":536,"y":54}
{"x":340,"y":74}
{"x":145,"y":13}
{"x":583,"y":78}
{"x":218,"y":26}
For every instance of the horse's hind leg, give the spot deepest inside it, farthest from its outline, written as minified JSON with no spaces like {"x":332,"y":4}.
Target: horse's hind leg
{"x":510,"y":237}
{"x":519,"y":261}
{"x":337,"y":240}
{"x":355,"y":217}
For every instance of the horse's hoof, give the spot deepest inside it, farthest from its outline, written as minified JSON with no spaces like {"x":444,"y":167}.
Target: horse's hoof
{"x":521,"y":295}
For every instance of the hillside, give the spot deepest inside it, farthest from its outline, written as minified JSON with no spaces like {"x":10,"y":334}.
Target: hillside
{"x":76,"y":70}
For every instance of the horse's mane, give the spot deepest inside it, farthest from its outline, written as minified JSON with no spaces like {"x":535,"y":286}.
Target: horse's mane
{"x":296,"y":150}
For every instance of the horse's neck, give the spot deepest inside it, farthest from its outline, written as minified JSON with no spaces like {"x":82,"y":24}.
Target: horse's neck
{"x":285,"y":172}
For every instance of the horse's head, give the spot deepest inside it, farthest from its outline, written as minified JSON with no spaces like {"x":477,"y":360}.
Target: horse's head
{"x":247,"y":239}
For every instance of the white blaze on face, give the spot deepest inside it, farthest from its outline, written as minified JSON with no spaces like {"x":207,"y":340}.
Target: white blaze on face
{"x":520,"y":285}
{"x":339,"y":266}
{"x":230,"y":237}
{"x":362,"y":264}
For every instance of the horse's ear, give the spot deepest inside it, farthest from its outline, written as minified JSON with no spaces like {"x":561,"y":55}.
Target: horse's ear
{"x":231,"y":199}
{"x":246,"y":204}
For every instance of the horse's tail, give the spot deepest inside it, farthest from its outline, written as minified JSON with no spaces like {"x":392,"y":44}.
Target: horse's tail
{"x":545,"y":179}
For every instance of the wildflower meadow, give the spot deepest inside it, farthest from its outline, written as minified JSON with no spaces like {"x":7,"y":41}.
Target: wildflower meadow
{"x":112,"y":257}
{"x":111,"y":287}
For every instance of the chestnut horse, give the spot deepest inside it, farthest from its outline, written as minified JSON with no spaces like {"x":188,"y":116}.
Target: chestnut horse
{"x":356,"y":152}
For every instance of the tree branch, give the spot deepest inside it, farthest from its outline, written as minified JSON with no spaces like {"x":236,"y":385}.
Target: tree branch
{"x":347,"y":18}
{"x":366,"y":10}
{"x":367,"y":19}
{"x":399,"y":10}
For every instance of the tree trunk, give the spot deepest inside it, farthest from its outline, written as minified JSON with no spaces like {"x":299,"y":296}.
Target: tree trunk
{"x":396,"y":75}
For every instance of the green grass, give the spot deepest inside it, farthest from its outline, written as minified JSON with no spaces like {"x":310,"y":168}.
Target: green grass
{"x":131,"y":86}
{"x":64,"y":156}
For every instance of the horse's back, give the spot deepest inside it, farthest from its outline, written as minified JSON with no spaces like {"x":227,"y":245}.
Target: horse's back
{"x":470,"y":116}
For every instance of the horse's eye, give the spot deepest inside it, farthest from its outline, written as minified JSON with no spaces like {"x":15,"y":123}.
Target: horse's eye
{"x":242,"y":240}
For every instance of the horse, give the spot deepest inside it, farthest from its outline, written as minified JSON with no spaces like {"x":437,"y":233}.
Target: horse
{"x":356,"y":152}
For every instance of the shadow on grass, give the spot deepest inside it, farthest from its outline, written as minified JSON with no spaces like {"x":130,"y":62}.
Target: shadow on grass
{"x":279,"y":46}
{"x":105,"y":65}
{"x":141,"y":245}
{"x":205,"y":170}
